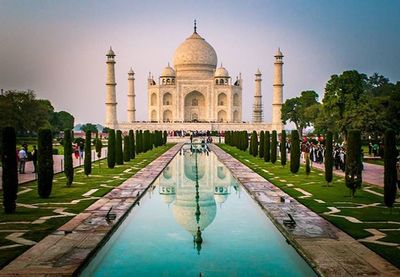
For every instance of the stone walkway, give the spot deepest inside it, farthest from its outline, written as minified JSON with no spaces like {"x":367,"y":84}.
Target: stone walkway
{"x":329,"y":250}
{"x":58,"y":166}
{"x":372,"y":174}
{"x":64,"y":252}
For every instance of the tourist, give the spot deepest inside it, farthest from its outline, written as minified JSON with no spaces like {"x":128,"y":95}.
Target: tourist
{"x":22,"y":160}
{"x":398,"y":171}
{"x":34,"y":158}
{"x":76,"y":151}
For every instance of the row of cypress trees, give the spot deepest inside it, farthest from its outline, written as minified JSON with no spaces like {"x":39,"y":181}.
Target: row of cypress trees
{"x":124,"y":148}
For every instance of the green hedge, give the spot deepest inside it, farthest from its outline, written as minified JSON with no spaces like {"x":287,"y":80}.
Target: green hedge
{"x":353,"y":173}
{"x":45,"y":163}
{"x":68,"y":163}
{"x":10,"y":170}
{"x":111,"y":149}
{"x":295,"y":152}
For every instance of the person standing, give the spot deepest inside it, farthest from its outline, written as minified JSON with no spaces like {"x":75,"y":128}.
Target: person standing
{"x":22,"y":160}
{"x":34,"y":158}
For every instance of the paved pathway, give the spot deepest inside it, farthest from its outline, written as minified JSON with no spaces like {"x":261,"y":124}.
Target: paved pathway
{"x":58,"y":166}
{"x":328,"y":249}
{"x":372,"y":174}
{"x":64,"y":251}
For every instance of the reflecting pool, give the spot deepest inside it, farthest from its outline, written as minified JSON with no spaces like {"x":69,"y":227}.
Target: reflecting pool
{"x":196,"y":219}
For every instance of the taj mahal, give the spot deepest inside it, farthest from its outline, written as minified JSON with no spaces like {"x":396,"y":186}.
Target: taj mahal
{"x":195,"y":94}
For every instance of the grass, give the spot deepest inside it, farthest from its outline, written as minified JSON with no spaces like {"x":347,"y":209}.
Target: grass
{"x":337,"y":195}
{"x":63,"y":194}
{"x":374,"y":161}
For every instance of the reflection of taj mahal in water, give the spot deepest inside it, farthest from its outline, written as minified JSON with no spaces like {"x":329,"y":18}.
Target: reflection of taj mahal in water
{"x":195,"y":207}
{"x":195,"y":94}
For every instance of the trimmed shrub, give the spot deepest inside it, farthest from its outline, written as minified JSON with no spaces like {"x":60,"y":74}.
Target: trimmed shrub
{"x":267,"y":147}
{"x":254,"y":144}
{"x":127,"y":155}
{"x":274,"y":145}
{"x":295,"y":152}
{"x":137,"y":142}
{"x":390,"y":172}
{"x":353,"y":173}
{"x":98,"y":146}
{"x":283,"y":148}
{"x":329,"y":158}
{"x":132,"y":150}
{"x":10,"y":171}
{"x":165,"y":137}
{"x":119,"y":159}
{"x":261,"y":147}
{"x":111,"y":149}
{"x":68,"y":163}
{"x":88,"y":153}
{"x":308,"y":165}
{"x":45,"y":163}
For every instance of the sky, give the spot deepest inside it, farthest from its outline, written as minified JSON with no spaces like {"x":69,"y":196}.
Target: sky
{"x":57,"y":48}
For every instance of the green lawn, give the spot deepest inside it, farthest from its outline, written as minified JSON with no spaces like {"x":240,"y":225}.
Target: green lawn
{"x":374,"y":161}
{"x":101,"y":175}
{"x":337,"y":195}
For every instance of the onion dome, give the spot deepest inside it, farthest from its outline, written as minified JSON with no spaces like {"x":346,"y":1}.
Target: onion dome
{"x":168,"y":71}
{"x":195,"y":54}
{"x":110,"y":52}
{"x":221,"y":72}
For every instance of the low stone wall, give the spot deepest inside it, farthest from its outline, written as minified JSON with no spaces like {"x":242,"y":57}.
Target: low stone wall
{"x":65,"y":251}
{"x":330,"y":251}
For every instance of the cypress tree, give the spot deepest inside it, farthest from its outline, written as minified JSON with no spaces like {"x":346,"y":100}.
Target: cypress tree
{"x":141,"y":142}
{"x":98,"y":146}
{"x":283,"y":148}
{"x":308,"y":166}
{"x":255,"y":143}
{"x":132,"y":147}
{"x":119,"y":159}
{"x":353,"y":174}
{"x":111,"y":149}
{"x":295,"y":152}
{"x":88,"y":153}
{"x":45,"y":163}
{"x":261,"y":147}
{"x":329,"y":158}
{"x":246,"y":140}
{"x":274,"y":145}
{"x":127,"y":155}
{"x":68,"y":163}
{"x":165,"y":137}
{"x":267,"y":147}
{"x":390,"y":172}
{"x":10,"y":171}
{"x":137,"y":142}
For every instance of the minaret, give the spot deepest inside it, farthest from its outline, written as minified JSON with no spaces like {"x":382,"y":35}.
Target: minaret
{"x":111,"y":102}
{"x":257,"y":107}
{"x":278,"y":92}
{"x":131,"y":97}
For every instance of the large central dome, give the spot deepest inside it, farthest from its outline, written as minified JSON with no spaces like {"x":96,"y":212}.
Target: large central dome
{"x":195,"y":54}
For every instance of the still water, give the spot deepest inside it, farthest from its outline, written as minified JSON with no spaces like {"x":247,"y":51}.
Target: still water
{"x":196,"y":219}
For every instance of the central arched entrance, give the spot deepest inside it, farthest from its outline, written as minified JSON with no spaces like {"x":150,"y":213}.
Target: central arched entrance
{"x":195,"y":107}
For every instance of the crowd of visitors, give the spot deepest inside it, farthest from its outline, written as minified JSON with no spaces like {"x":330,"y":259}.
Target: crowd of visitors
{"x":23,"y":156}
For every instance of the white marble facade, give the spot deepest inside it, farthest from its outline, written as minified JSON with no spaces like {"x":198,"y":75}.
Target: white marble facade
{"x":195,"y":90}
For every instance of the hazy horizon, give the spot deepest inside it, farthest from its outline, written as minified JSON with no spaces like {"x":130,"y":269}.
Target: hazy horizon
{"x":57,"y":48}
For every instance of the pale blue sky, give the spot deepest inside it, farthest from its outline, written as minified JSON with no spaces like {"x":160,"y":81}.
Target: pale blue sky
{"x":57,"y":48}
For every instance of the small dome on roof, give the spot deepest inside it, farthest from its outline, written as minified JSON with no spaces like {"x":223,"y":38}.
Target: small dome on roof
{"x":168,"y":71}
{"x":279,"y":53}
{"x":110,"y":52}
{"x":130,"y":72}
{"x":221,"y":72}
{"x":258,"y":72}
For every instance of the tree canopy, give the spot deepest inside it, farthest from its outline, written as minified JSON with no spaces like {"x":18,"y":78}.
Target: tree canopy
{"x":21,"y":110}
{"x":302,"y":110}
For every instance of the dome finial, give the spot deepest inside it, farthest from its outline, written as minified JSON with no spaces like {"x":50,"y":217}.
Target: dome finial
{"x":195,"y":26}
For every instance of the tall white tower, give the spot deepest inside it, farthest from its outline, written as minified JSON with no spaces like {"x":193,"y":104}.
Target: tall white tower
{"x":111,"y":101}
{"x":257,"y":106}
{"x":131,"y":97}
{"x":277,"y":92}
